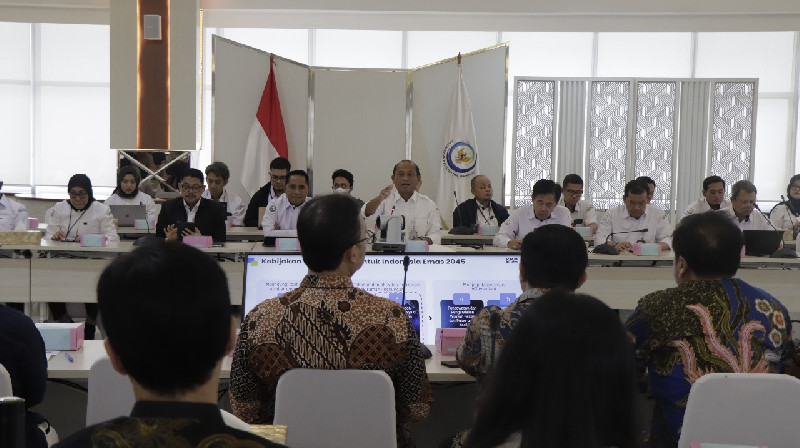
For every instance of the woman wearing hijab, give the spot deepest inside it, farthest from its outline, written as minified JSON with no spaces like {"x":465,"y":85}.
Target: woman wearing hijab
{"x":786,"y":215}
{"x":79,"y":215}
{"x":127,"y":192}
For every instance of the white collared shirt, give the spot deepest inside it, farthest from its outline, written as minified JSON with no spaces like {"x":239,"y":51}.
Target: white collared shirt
{"x":782,"y":217}
{"x":140,"y":199}
{"x":12,"y":214}
{"x":523,"y":221}
{"x":617,"y":220}
{"x":701,"y":206}
{"x":755,"y":221}
{"x":485,"y":216}
{"x":583,"y":210}
{"x":421,"y":215}
{"x":281,"y":211}
{"x":236,"y":208}
{"x":96,"y":218}
{"x":191,"y":212}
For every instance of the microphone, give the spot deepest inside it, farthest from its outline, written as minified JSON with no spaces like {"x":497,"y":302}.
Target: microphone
{"x":576,"y":222}
{"x":494,"y":328}
{"x":462,"y":229}
{"x":765,"y":216}
{"x":406,"y":262}
{"x":608,"y":247}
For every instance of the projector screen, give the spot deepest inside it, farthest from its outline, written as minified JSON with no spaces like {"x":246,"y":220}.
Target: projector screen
{"x":442,"y":290}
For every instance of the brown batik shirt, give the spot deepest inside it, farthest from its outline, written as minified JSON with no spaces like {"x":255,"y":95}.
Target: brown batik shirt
{"x":327,"y":323}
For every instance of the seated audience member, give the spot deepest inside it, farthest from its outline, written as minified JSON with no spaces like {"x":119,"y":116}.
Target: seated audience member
{"x":785,"y":215}
{"x":217,"y":175}
{"x":572,"y":190}
{"x":651,"y":187}
{"x":711,"y":322}
{"x":626,"y":224}
{"x":481,"y":209}
{"x":208,"y":217}
{"x":327,"y":323}
{"x":401,"y":197}
{"x":566,"y":378}
{"x":127,"y":193}
{"x":743,"y":209}
{"x":22,"y":354}
{"x":554,"y":256}
{"x":174,"y":366}
{"x":713,"y":197}
{"x":280,"y":219}
{"x":343,"y":182}
{"x":79,"y":215}
{"x":544,"y":210}
{"x":13,"y":215}
{"x":278,"y":172}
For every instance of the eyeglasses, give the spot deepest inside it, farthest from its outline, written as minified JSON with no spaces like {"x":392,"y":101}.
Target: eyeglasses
{"x":278,"y":178}
{"x":187,"y":187}
{"x":80,"y":194}
{"x":574,"y":192}
{"x":370,"y":237}
{"x":795,"y":188}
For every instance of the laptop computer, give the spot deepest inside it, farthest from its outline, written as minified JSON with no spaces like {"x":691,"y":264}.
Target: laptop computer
{"x":126,"y":215}
{"x":762,"y":242}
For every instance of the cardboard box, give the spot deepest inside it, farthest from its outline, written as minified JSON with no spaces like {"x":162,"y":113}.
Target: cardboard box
{"x":201,"y":242}
{"x":448,"y":340}
{"x":647,"y":249}
{"x":61,"y":336}
{"x":287,"y":244}
{"x":29,"y":238}
{"x":93,"y":240}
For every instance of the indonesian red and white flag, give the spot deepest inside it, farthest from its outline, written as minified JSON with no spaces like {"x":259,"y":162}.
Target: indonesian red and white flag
{"x":267,"y":138}
{"x":459,"y":152}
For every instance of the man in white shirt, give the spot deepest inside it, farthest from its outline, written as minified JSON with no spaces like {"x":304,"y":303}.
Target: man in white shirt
{"x":280,"y":219}
{"x":651,"y":186}
{"x":713,"y":197}
{"x":582,"y":212}
{"x":217,"y":175}
{"x":544,"y":210}
{"x":634,"y":221}
{"x":401,"y":198}
{"x":12,"y":213}
{"x":743,"y":208}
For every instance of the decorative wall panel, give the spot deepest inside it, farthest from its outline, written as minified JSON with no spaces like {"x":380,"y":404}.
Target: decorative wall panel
{"x":655,"y":124}
{"x":732,"y":129}
{"x":535,"y":120}
{"x":608,"y":137}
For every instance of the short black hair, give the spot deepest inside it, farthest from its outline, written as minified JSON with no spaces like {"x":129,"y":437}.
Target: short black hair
{"x":711,"y":243}
{"x":219,"y":169}
{"x":193,"y":172}
{"x":343,"y":173}
{"x":571,"y":179}
{"x":554,"y":256}
{"x":326,"y":227}
{"x":279,"y":163}
{"x":546,"y":186}
{"x":636,"y":186}
{"x":167,"y":314}
{"x":297,"y":173}
{"x":712,"y":180}
{"x":646,"y":179}
{"x":394,"y":170}
{"x":742,"y":185}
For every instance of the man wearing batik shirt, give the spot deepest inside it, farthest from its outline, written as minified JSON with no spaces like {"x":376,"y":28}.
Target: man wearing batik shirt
{"x":327,"y":323}
{"x":554,"y":256}
{"x":711,"y":322}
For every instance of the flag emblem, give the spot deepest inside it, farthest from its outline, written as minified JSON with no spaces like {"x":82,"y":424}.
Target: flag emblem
{"x":460,"y":158}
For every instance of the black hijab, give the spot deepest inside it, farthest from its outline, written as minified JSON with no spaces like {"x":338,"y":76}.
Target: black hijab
{"x":81,"y":180}
{"x":122,"y":172}
{"x":794,"y":204}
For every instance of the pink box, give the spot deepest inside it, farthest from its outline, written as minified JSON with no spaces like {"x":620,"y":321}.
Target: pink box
{"x":448,"y":340}
{"x":744,"y":249}
{"x":93,"y":240}
{"x":61,"y":336}
{"x":201,"y":242}
{"x":33,"y":223}
{"x":647,"y":249}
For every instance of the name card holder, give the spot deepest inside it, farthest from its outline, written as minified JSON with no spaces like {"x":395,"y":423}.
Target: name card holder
{"x":417,"y":246}
{"x":584,"y":231}
{"x":200,"y":242}
{"x":93,"y":240}
{"x":647,"y":249}
{"x":487,"y":230}
{"x":287,"y":244}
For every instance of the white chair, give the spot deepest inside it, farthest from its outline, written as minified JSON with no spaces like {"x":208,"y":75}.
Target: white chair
{"x":102,"y":405}
{"x":758,"y":409}
{"x":352,"y":408}
{"x":5,"y":383}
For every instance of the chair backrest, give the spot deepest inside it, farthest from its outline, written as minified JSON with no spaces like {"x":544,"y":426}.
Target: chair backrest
{"x":5,"y":383}
{"x":110,"y":393}
{"x":353,"y":408}
{"x":758,"y":409}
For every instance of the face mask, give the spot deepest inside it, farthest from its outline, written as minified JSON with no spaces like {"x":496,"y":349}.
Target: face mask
{"x":341,"y":191}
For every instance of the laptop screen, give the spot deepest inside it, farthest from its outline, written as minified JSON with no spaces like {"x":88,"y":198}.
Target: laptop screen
{"x":442,"y":290}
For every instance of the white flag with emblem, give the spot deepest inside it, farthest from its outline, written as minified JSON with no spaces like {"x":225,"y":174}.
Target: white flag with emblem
{"x":459,"y":153}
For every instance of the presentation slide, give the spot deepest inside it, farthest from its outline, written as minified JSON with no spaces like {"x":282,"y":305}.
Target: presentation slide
{"x":442,"y":291}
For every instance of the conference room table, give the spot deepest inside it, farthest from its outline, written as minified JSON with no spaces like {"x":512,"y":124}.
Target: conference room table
{"x":232,"y":234}
{"x":60,"y":367}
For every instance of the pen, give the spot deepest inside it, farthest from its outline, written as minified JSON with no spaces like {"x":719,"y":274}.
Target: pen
{"x":69,"y":357}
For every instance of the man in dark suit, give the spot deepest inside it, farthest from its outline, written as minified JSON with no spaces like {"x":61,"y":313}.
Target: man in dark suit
{"x":278,"y":172}
{"x":208,"y":217}
{"x":481,"y":210}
